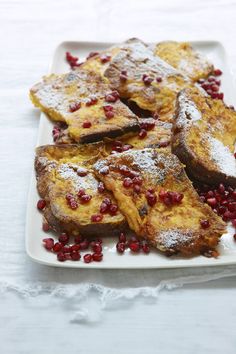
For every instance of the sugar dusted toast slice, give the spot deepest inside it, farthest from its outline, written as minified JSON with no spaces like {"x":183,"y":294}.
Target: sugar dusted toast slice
{"x":159,"y":201}
{"x":184,"y":58}
{"x":140,"y":76}
{"x":204,"y":138}
{"x":85,"y":102}
{"x":64,"y":176}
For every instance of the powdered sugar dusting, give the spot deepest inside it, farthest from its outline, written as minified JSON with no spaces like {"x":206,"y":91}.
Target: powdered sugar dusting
{"x":188,"y":111}
{"x":223,"y":157}
{"x":173,"y":238}
{"x":67,"y":171}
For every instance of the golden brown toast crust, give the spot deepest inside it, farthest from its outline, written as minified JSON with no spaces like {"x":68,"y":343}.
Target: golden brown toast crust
{"x":204,"y":138}
{"x":171,"y":228}
{"x":184,"y":58}
{"x":57,"y":95}
{"x":57,"y":169}
{"x":137,"y":60}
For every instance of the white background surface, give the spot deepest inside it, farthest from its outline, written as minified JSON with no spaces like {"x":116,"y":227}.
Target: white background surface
{"x":38,"y":316}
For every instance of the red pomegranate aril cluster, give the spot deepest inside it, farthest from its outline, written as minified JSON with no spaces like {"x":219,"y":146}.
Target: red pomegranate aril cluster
{"x":221,"y":199}
{"x":142,"y":134}
{"x":147,"y":79}
{"x":170,"y":198}
{"x":119,"y":146}
{"x":73,"y":107}
{"x":101,"y":187}
{"x":87,"y":124}
{"x":151,"y":198}
{"x":133,"y":244}
{"x":45,"y":226}
{"x":71,"y":201}
{"x":212,"y":85}
{"x":109,"y":111}
{"x":204,"y":224}
{"x":96,"y":217}
{"x":127,"y":183}
{"x":91,"y":101}
{"x":91,"y":55}
{"x":159,"y":79}
{"x":148,"y":125}
{"x":64,"y":238}
{"x":107,"y":207}
{"x":105,"y":58}
{"x":85,"y":199}
{"x":41,"y":204}
{"x":112,"y":97}
{"x":48,"y":243}
{"x":73,"y":61}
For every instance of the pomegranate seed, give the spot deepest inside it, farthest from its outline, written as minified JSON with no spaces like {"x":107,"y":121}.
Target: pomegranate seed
{"x":120,"y":247}
{"x":217,"y":72}
{"x":87,"y":258}
{"x":212,"y":202}
{"x":159,"y":79}
{"x":105,"y":58}
{"x":145,"y":248}
{"x":97,"y":248}
{"x":215,"y":88}
{"x":41,"y":204}
{"x":221,"y":188}
{"x":45,"y":227}
{"x":204,"y":224}
{"x":221,"y":210}
{"x":82,"y":172}
{"x":108,"y":108}
{"x":127,"y":147}
{"x":134,"y":246}
{"x":109,"y":114}
{"x":73,"y":204}
{"x":48,"y":243}
{"x":137,"y":188}
{"x":57,"y":247}
{"x":220,"y":96}
{"x":107,"y":201}
{"x":63,"y":238}
{"x":85,"y":198}
{"x":65,"y":249}
{"x":73,"y":107}
{"x":91,"y":101}
{"x":112,"y":97}
{"x":148,"y":125}
{"x":75,"y":248}
{"x":61,"y":257}
{"x":104,"y":208}
{"x":147,"y":80}
{"x":232,"y":206}
{"x":97,"y":257}
{"x":151,"y":198}
{"x":91,"y":55}
{"x":84,"y":245}
{"x":75,"y":256}
{"x":124,"y":170}
{"x":96,"y":218}
{"x":142,"y":134}
{"x":81,"y":192}
{"x":69,"y":196}
{"x":127,"y":183}
{"x":122,"y":237}
{"x":137,"y":180}
{"x":113,"y":209}
{"x":87,"y":124}
{"x":101,"y":187}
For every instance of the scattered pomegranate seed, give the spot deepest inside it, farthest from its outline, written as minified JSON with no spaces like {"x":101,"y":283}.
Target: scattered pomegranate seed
{"x":170,"y":198}
{"x":75,"y":256}
{"x":146,"y":79}
{"x":134,"y":246}
{"x":145,"y":248}
{"x":127,"y":183}
{"x":96,"y":218}
{"x":88,"y":258}
{"x":48,"y":243}
{"x":120,"y":247}
{"x":97,"y":248}
{"x":159,"y":79}
{"x":87,"y":124}
{"x":73,"y":107}
{"x":109,"y":114}
{"x":105,"y":58}
{"x":61,"y":257}
{"x":212,"y":201}
{"x":148,"y":125}
{"x":142,"y":134}
{"x":104,"y":208}
{"x":81,"y":192}
{"x":75,"y":247}
{"x":82,"y":172}
{"x":64,"y":238}
{"x":41,"y":204}
{"x":45,"y":227}
{"x":204,"y":224}
{"x":122,"y":237}
{"x":57,"y":247}
{"x":113,"y":209}
{"x":127,"y":147}
{"x":151,"y":198}
{"x":84,"y":245}
{"x":72,"y":203}
{"x":107,"y":201}
{"x":101,"y":187}
{"x":73,"y":61}
{"x":91,"y":101}
{"x":85,"y":198}
{"x":112,"y":97}
{"x":217,"y":72}
{"x":137,"y":188}
{"x":97,"y":257}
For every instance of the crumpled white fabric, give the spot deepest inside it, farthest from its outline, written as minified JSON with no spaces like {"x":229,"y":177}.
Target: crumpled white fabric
{"x":22,"y":64}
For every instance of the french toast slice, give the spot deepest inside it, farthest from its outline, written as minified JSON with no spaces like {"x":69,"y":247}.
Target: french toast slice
{"x":204,"y":135}
{"x":159,"y":202}
{"x":158,"y":136}
{"x":64,"y":176}
{"x":85,"y":102}
{"x":184,"y":58}
{"x":141,"y":77}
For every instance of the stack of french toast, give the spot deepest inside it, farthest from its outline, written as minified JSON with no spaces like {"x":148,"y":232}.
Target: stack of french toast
{"x":134,"y":129}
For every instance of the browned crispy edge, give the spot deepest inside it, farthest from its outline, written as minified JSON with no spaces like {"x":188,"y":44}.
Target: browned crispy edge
{"x":194,"y":168}
{"x":65,"y":225}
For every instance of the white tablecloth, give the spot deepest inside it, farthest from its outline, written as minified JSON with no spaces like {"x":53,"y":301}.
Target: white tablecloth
{"x":49,"y":310}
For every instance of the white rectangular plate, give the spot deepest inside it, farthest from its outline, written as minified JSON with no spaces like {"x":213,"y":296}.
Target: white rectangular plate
{"x":34,"y":234}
